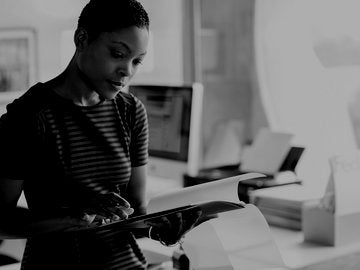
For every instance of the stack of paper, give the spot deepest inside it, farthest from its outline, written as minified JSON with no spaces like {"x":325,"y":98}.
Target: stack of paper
{"x":282,"y":205}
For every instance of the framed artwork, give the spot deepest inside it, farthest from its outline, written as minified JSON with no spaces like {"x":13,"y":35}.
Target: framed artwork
{"x":17,"y":62}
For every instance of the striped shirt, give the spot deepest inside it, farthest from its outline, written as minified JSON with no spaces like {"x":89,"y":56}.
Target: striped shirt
{"x":69,"y":154}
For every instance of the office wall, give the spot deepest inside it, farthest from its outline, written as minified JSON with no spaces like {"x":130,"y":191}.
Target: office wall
{"x":166,"y":50}
{"x":50,"y":18}
{"x":228,"y":67}
{"x":308,"y":65}
{"x":229,"y":86}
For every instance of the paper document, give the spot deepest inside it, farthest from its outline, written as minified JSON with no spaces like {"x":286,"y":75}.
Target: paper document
{"x":220,"y":190}
{"x":267,"y":153}
{"x":238,"y":239}
{"x":210,"y":198}
{"x":144,"y":221}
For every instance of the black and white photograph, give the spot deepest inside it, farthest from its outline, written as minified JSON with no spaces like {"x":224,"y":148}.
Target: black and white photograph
{"x":179,"y":134}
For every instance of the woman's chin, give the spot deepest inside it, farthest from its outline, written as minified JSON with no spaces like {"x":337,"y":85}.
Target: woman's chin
{"x":109,"y":95}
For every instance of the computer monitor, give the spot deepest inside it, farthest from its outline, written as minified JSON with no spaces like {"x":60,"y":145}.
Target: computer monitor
{"x":174,"y":115}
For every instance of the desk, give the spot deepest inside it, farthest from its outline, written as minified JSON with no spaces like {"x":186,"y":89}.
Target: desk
{"x":296,"y":254}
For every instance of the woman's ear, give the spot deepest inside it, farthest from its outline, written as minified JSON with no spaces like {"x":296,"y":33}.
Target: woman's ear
{"x":81,"y":39}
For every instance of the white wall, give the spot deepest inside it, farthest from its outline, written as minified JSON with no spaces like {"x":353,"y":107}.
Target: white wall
{"x":166,"y":50}
{"x":308,"y":63}
{"x":48,"y":18}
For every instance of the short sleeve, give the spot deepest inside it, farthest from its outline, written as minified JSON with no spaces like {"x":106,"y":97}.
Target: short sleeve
{"x":17,"y":144}
{"x":139,"y":136}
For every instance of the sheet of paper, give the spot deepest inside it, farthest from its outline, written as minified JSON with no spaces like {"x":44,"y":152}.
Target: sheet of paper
{"x":222,"y":190}
{"x":238,"y":239}
{"x":267,"y":153}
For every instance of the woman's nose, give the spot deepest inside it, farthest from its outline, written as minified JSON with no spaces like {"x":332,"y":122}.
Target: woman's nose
{"x":125,"y":69}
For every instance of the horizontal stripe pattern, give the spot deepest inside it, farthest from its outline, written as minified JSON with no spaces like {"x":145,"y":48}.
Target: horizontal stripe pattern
{"x":96,"y":146}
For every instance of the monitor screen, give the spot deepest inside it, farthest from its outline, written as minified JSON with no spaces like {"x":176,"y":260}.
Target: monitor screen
{"x":168,"y":110}
{"x":174,"y":115}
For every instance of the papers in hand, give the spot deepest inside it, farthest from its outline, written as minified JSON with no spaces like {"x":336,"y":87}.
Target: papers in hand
{"x":221,"y":190}
{"x":210,"y":198}
{"x":143,"y":221}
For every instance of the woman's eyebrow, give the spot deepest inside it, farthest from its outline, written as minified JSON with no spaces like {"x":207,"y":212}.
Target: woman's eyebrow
{"x":123,"y":44}
{"x":126,"y":47}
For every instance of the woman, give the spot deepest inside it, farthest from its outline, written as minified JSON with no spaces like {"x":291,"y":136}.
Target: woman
{"x":77,"y":146}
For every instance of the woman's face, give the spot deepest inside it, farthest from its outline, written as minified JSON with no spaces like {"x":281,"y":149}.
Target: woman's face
{"x":111,"y":60}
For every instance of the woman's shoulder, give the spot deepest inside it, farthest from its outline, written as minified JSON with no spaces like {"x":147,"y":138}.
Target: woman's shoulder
{"x":35,"y":99}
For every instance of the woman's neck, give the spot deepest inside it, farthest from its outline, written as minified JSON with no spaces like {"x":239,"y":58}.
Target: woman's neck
{"x":72,"y":84}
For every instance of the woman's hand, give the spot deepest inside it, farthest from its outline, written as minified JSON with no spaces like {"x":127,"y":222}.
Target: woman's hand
{"x":169,"y":230}
{"x":106,"y":208}
{"x":99,"y":209}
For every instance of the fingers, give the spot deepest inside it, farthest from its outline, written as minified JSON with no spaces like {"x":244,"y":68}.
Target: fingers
{"x":103,"y":208}
{"x":190,"y":220}
{"x":122,"y":212}
{"x":88,"y":218}
{"x":170,"y":229}
{"x":109,"y":207}
{"x":179,"y":224}
{"x":115,"y":213}
{"x":111,"y":213}
{"x":113,"y":199}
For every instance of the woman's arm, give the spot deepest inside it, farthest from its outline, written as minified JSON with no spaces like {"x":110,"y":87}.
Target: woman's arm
{"x":166,"y":230}
{"x":16,"y":222}
{"x":136,"y":190}
{"x":10,"y":191}
{"x":136,"y":195}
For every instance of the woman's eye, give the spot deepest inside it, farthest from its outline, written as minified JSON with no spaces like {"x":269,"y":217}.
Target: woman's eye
{"x":117,"y":54}
{"x":138,"y":61}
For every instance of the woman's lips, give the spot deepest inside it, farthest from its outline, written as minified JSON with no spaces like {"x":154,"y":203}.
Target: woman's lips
{"x":117,"y":84}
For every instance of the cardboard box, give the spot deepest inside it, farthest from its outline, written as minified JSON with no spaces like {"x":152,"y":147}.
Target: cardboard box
{"x":335,"y":219}
{"x":327,"y":228}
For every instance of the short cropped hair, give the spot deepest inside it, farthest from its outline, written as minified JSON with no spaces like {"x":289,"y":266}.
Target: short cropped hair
{"x":109,"y":15}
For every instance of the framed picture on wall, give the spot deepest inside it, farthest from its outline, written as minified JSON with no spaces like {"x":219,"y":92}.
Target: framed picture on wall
{"x":17,"y":61}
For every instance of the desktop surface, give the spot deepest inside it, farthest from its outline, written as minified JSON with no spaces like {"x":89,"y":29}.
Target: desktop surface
{"x":297,"y":254}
